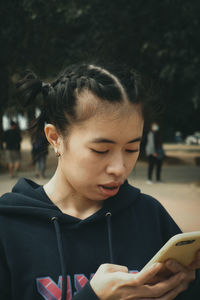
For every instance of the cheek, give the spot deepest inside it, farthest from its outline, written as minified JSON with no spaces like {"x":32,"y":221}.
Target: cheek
{"x":132,"y":161}
{"x":82,"y":163}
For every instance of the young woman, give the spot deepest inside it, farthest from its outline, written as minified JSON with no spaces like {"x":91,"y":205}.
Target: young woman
{"x":87,"y":233}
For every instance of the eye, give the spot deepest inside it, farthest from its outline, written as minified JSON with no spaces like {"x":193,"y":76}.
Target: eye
{"x":132,"y":151}
{"x":99,"y":152}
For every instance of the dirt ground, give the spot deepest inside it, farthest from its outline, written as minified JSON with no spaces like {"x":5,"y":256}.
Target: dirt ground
{"x":179,"y":193}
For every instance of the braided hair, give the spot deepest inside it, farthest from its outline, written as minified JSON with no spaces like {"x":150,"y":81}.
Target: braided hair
{"x":61,"y":98}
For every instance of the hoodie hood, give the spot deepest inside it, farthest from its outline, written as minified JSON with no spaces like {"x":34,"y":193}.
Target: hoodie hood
{"x":46,"y":254}
{"x":25,"y":199}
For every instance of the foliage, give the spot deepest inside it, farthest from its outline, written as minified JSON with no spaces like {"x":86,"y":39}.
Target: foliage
{"x":158,"y":38}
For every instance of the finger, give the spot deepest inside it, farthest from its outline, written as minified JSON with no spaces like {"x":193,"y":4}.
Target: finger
{"x":160,"y":289}
{"x":149,"y":273}
{"x":196,"y":262}
{"x":174,"y":266}
{"x":164,"y":287}
{"x":139,"y":279}
{"x":113,"y":268}
{"x":175,"y":292}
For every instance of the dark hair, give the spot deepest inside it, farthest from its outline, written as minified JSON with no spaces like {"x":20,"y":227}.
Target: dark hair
{"x":60,"y":97}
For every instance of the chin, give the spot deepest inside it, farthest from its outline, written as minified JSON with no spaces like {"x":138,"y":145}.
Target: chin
{"x":97,"y":198}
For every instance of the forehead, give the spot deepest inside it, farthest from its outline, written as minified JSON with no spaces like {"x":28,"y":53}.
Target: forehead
{"x":89,"y":105}
{"x":116,"y":124}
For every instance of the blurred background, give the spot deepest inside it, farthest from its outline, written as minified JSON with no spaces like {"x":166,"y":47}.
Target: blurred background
{"x":160,"y":39}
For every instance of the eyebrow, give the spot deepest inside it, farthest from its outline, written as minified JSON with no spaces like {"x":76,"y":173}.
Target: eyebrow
{"x":103,"y":140}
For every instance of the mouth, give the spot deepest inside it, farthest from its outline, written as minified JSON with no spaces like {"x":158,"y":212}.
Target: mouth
{"x":110,"y":189}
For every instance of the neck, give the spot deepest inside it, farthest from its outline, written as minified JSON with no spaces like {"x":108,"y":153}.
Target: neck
{"x":68,"y":200}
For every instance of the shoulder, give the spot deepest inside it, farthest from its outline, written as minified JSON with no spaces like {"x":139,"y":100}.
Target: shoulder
{"x":154,"y":211}
{"x":144,"y":212}
{"x":149,"y":208}
{"x":135,"y":197}
{"x":150,"y":201}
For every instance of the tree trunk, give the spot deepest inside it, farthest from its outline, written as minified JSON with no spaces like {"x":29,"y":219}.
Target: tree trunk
{"x":1,"y":131}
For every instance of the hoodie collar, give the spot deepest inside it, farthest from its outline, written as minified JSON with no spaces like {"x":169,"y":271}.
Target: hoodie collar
{"x":27,"y":199}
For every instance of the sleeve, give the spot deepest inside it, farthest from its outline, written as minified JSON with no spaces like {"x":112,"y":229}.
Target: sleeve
{"x":86,"y":293}
{"x":5,"y":288}
{"x":168,"y":226}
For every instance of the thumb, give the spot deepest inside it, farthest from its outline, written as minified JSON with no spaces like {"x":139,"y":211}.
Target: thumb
{"x":111,"y":268}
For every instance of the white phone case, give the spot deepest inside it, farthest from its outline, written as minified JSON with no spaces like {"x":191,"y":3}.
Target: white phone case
{"x":181,"y":247}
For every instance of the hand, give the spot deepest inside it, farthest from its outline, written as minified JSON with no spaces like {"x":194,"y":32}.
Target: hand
{"x":188,"y":273}
{"x":112,"y":282}
{"x":196,"y":262}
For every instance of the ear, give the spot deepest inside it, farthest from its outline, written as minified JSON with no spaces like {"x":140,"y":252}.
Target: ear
{"x":52,"y":135}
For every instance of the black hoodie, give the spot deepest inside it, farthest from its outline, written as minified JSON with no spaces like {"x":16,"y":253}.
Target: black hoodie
{"x":40,"y":245}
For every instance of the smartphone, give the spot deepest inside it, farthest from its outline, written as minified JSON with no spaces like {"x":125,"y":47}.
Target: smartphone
{"x":181,"y":247}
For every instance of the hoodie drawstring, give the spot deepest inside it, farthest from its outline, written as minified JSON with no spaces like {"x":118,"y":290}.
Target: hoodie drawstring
{"x":108,"y":219}
{"x":55,"y":221}
{"x":61,"y":255}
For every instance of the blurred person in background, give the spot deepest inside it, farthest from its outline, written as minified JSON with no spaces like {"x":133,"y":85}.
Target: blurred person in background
{"x":155,"y":152}
{"x":39,"y":152}
{"x":12,"y":140}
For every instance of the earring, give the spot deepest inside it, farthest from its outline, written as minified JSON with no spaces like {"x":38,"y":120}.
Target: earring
{"x":57,"y":153}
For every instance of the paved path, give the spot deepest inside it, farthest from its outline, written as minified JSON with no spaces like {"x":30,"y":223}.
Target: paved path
{"x":180,"y":192}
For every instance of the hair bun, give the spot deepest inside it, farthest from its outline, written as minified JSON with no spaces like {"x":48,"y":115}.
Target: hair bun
{"x":28,"y":88}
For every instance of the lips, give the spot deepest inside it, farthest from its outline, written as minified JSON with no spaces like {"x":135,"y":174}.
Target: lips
{"x":110,"y":189}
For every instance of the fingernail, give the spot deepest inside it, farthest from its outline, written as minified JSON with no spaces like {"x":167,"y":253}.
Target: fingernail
{"x":155,"y":265}
{"x":158,"y":264}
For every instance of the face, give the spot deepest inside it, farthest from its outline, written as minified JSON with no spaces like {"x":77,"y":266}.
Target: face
{"x":100,"y":153}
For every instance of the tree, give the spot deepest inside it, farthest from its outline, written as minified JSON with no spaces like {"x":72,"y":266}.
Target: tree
{"x":158,"y":38}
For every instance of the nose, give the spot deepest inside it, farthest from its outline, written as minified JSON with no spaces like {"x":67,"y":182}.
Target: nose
{"x":116,"y":166}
